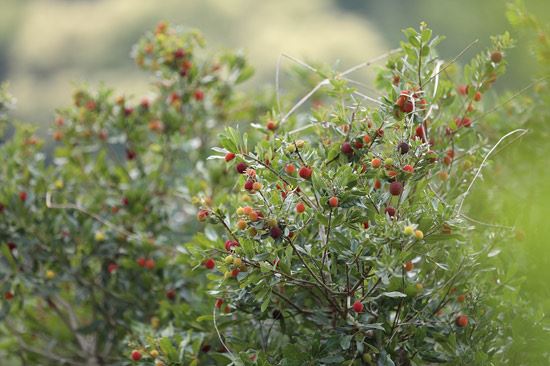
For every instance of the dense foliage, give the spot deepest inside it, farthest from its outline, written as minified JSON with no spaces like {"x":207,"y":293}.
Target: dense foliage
{"x":90,"y":239}
{"x":328,"y":230}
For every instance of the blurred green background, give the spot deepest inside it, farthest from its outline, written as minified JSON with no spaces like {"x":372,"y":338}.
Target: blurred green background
{"x":45,"y":45}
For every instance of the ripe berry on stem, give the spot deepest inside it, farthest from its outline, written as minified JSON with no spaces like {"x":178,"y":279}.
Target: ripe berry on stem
{"x":305,"y":172}
{"x":358,"y":306}
{"x":333,"y":202}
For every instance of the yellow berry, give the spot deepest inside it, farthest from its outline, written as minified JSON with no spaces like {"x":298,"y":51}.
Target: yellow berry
{"x":50,"y":275}
{"x":154,"y":353}
{"x":237,"y":261}
{"x":300,"y":143}
{"x":59,"y":184}
{"x":409,"y":230}
{"x":155,"y":322}
{"x":240,"y":211}
{"x":229,"y":259}
{"x":99,"y":236}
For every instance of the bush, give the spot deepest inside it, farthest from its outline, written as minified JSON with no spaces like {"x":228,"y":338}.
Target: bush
{"x":91,"y":239}
{"x":346,"y":238}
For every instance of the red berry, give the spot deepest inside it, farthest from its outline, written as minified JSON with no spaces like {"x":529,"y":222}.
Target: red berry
{"x":358,"y":144}
{"x":346,"y":148}
{"x":419,"y":132}
{"x":396,"y":188}
{"x":8,"y":295}
{"x":275,"y":232}
{"x":477,"y":96}
{"x":171,"y":294}
{"x":462,"y":89}
{"x":333,"y":202}
{"x":229,"y":156}
{"x":210,"y":263}
{"x":300,"y":207}
{"x":271,"y":125}
{"x":130,"y":154}
{"x":377,"y":184}
{"x":202,"y":215}
{"x":358,"y":306}
{"x":23,"y":196}
{"x":150,"y":263}
{"x":199,"y":95}
{"x":11,"y":246}
{"x":408,"y":168}
{"x":218,"y":303}
{"x":112,"y":267}
{"x":305,"y":172}
{"x":235,"y":272}
{"x":249,"y":185}
{"x":141,"y":262}
{"x":241,"y":167}
{"x":366,"y":225}
{"x":390,"y":211}
{"x":408,"y":266}
{"x":179,"y":53}
{"x":136,"y":355}
{"x":461,"y":321}
{"x":229,"y":244}
{"x":290,"y":169}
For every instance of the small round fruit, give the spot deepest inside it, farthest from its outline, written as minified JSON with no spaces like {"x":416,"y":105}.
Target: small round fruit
{"x":150,"y":263}
{"x":377,"y":184}
{"x":443,"y":175}
{"x":408,"y":230}
{"x":50,"y":275}
{"x":300,"y":207}
{"x":99,"y":236}
{"x":408,"y":266}
{"x":136,"y":355}
{"x":257,"y":186}
{"x":199,"y":95}
{"x":210,"y":263}
{"x":403,"y":147}
{"x":235,"y":272}
{"x":358,"y":306}
{"x":290,"y":169}
{"x":241,"y":167}
{"x":365,"y":225}
{"x":241,"y":224}
{"x":396,"y":188}
{"x":141,"y":261}
{"x":408,"y":168}
{"x":154,"y":353}
{"x":271,"y":125}
{"x":229,"y":156}
{"x":228,"y":259}
{"x":218,"y":303}
{"x":390,"y":211}
{"x":333,"y":202}
{"x":22,"y":196}
{"x":367,"y":139}
{"x":305,"y":172}
{"x":237,"y":262}
{"x":248,"y":185}
{"x":419,"y":234}
{"x":496,"y":57}
{"x":275,"y":232}
{"x":171,"y":294}
{"x":461,"y":321}
{"x":346,"y":148}
{"x":461,"y":298}
{"x":112,"y":267}
{"x":376,"y":163}
{"x":202,"y":215}
{"x":477,"y":96}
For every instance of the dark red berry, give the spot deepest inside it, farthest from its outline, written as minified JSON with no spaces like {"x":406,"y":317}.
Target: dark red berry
{"x":396,"y":188}
{"x":241,"y":167}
